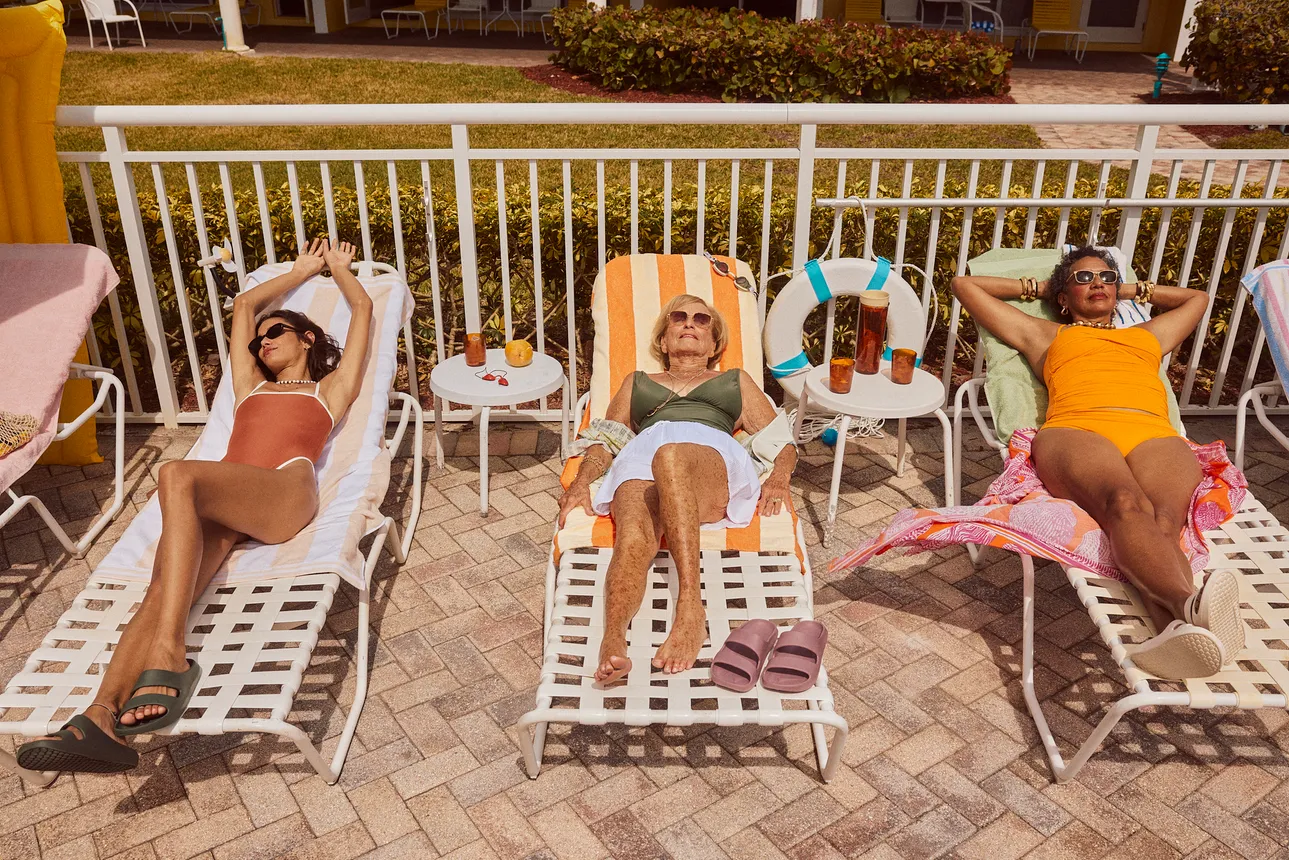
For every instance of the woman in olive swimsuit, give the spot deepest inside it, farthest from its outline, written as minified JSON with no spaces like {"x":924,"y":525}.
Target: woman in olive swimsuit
{"x":683,"y":472}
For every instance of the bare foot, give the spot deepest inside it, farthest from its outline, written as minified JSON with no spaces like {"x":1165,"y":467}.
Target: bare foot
{"x":614,"y":665}
{"x":688,"y":631}
{"x":151,"y":712}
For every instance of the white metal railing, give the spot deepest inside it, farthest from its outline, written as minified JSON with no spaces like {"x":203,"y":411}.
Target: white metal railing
{"x":1067,"y":193}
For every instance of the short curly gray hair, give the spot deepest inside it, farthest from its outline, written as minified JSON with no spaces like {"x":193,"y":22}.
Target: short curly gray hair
{"x":1060,"y":280}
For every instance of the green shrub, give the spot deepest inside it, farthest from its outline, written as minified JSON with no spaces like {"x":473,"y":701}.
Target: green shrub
{"x":1242,"y":48}
{"x":744,"y":57}
{"x":585,"y":260}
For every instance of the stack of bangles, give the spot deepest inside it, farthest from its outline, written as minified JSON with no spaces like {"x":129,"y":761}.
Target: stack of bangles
{"x":1028,"y":289}
{"x":1145,"y":289}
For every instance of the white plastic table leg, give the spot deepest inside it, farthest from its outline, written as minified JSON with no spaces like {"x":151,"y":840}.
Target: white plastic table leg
{"x":842,"y":431}
{"x":484,"y":413}
{"x":901,"y":448}
{"x":565,"y":421}
{"x":950,"y":496}
{"x":438,"y":430}
{"x":802,"y":405}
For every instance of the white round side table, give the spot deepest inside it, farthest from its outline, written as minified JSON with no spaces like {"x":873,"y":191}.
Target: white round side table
{"x":876,"y":396}
{"x":455,"y":381}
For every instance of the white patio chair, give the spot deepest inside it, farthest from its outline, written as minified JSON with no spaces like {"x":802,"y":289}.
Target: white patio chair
{"x":107,"y":12}
{"x":1052,"y":18}
{"x":540,"y":11}
{"x":463,"y":8}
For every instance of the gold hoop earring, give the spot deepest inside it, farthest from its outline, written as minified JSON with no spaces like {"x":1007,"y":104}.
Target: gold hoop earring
{"x":1065,"y":310}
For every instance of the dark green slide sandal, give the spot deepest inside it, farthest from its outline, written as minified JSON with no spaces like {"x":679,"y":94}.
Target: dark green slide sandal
{"x":93,"y":752}
{"x":185,"y":683}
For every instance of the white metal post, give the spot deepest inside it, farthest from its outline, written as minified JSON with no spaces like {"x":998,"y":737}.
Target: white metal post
{"x":230,"y":14}
{"x":805,"y":197}
{"x":1138,"y":183}
{"x":465,"y":226}
{"x":127,"y":202}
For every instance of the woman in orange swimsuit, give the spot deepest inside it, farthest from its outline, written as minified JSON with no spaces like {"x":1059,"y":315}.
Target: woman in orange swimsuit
{"x":1108,"y":446}
{"x":291,"y":385}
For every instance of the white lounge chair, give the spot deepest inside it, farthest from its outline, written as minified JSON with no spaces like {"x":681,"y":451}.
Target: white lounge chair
{"x":1252,"y":543}
{"x":761,"y":571}
{"x":253,"y":635}
{"x":107,"y":12}
{"x":210,"y":13}
{"x":39,"y":341}
{"x":1272,"y":279}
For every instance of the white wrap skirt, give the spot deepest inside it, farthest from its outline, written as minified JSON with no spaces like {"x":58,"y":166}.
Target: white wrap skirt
{"x":635,"y":463}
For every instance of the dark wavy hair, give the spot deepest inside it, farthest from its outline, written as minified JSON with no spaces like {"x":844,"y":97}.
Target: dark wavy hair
{"x":1060,"y":280}
{"x":324,"y":354}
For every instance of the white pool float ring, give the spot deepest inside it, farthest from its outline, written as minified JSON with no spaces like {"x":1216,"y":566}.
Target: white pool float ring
{"x":825,"y":280}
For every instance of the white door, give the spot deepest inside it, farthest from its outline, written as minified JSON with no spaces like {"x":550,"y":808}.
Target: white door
{"x":1115,"y":20}
{"x":357,"y":10}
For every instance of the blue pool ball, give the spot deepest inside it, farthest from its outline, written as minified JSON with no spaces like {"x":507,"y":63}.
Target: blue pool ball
{"x":829,"y":436}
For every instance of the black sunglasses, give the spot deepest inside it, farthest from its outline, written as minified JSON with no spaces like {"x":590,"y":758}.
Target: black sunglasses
{"x":1087,"y":276}
{"x":274,"y":332}
{"x":700,"y":318}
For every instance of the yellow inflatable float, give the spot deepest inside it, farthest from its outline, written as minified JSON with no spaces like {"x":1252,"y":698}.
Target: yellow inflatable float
{"x":32,"y":46}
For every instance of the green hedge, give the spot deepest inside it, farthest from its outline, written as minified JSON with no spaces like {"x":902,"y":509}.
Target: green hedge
{"x":740,"y":56}
{"x":618,"y":241}
{"x":1242,"y":48}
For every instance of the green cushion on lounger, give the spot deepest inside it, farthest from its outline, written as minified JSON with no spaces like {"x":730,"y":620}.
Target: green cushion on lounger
{"x":1016,"y":396}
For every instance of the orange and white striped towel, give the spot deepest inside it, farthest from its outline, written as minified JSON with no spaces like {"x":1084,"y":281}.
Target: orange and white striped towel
{"x":353,"y":471}
{"x":628,"y":296}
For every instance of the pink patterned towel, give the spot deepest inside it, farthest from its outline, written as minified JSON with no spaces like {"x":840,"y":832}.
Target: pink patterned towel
{"x":1020,"y":515}
{"x":47,"y":295}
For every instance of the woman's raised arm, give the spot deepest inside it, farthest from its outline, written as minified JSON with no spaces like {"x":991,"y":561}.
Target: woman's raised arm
{"x":247,"y":306}
{"x":1181,"y":310}
{"x":341,"y":386}
{"x":985,"y":299}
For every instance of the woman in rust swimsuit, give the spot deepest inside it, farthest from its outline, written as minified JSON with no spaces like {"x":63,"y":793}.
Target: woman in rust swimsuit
{"x":292,"y":386}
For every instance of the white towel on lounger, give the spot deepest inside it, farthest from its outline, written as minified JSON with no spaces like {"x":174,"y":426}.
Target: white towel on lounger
{"x":353,"y":471}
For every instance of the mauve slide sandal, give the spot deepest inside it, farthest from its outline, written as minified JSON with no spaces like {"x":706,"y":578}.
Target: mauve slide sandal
{"x":738,"y":664}
{"x":794,"y":665}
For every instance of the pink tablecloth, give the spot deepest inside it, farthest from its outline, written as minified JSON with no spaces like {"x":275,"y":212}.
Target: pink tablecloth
{"x":47,"y":295}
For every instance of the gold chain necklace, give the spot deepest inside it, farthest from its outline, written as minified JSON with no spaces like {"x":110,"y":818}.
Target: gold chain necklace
{"x":1091,"y":324}
{"x":674,"y":393}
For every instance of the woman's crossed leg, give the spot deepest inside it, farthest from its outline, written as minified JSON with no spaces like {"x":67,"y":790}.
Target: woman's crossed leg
{"x":206,"y":508}
{"x":690,"y":488}
{"x":1141,"y":501}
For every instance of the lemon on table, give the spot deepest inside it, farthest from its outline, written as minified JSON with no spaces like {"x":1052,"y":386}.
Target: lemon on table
{"x":519,"y":353}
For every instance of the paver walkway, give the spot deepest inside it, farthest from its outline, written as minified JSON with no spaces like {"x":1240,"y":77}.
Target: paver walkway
{"x":924,"y":657}
{"x":493,"y":49}
{"x":1113,"y":79}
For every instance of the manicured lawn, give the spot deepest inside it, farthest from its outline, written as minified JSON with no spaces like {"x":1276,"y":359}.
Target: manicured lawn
{"x":211,"y":78}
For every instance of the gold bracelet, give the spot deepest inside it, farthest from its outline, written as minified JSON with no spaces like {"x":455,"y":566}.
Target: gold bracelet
{"x":1145,"y":289}
{"x":1028,"y":289}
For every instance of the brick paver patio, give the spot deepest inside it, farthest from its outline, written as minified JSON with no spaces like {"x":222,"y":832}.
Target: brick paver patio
{"x":924,"y":656}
